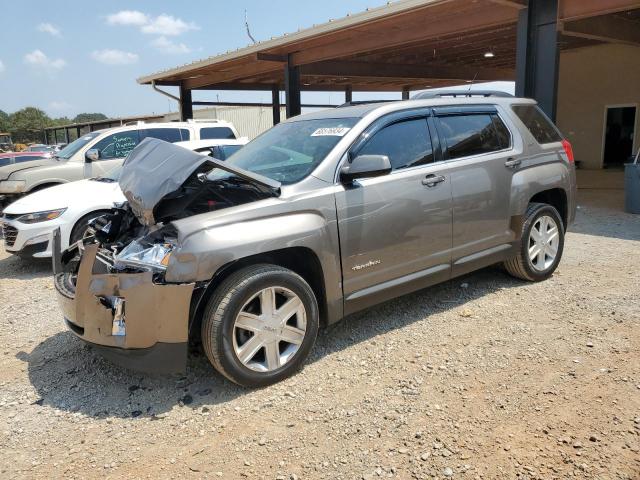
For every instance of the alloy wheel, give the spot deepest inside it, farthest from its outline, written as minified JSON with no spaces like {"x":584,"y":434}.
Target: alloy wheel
{"x":269,"y":329}
{"x":544,"y":238}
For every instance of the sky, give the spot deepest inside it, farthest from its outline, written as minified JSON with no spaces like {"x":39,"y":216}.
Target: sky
{"x":77,"y":56}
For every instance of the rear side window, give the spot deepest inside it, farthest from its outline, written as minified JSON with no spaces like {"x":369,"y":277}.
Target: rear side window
{"x":474,"y":134}
{"x":170,"y":135}
{"x":209,"y":133}
{"x":407,"y":144}
{"x":537,"y":123}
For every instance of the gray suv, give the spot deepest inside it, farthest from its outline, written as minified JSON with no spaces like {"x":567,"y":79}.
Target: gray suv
{"x":323,"y":215}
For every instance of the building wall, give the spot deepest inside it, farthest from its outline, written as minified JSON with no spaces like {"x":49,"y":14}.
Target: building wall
{"x":249,"y":121}
{"x":591,"y":78}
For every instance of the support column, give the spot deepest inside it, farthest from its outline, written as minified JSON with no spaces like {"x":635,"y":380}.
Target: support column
{"x":77,"y":132}
{"x":537,"y":54}
{"x":348,"y":94}
{"x":186,"y":106}
{"x":292,"y":89}
{"x":46,"y":136}
{"x":66,"y":135}
{"x":405,"y":93}
{"x":275,"y":104}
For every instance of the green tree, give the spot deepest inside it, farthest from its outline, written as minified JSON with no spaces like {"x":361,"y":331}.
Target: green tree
{"x":89,"y":117}
{"x":4,"y":121}
{"x":26,"y":125}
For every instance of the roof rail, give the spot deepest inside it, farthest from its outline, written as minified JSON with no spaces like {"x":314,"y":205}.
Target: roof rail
{"x":203,"y":120}
{"x":460,"y":93}
{"x":363,"y":102}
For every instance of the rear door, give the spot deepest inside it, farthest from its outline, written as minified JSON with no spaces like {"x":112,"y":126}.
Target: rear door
{"x":478,"y":149}
{"x":395,"y":230}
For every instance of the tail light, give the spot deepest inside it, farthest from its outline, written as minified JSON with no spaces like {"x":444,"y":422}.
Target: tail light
{"x":568,"y":149}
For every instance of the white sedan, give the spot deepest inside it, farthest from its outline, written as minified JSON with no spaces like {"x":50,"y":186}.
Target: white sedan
{"x":28,"y":222}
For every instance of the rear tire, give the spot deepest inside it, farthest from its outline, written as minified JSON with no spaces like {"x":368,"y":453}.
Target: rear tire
{"x":251,"y":343}
{"x":541,"y":244}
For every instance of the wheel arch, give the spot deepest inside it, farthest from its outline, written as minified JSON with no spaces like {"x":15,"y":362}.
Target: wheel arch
{"x":557,"y":198}
{"x":43,"y":185}
{"x":100,"y":211}
{"x":301,"y":260}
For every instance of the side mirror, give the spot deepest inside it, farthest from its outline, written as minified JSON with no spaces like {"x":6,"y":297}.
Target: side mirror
{"x":92,"y":155}
{"x":365,"y":166}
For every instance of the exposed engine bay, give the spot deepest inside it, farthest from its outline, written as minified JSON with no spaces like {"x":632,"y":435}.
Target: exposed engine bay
{"x":163,"y":183}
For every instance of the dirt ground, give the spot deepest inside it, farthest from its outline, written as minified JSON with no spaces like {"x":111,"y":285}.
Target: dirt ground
{"x":482,"y":377}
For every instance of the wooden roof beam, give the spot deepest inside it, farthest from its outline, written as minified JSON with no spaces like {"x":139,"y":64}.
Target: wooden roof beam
{"x":519,"y":4}
{"x":604,"y":28}
{"x":577,"y":9}
{"x":369,"y":41}
{"x":394,"y":71}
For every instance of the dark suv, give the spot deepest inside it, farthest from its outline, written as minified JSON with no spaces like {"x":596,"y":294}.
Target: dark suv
{"x":321,"y":216}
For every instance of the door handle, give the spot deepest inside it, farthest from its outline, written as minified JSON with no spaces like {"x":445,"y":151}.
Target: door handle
{"x":512,"y":162}
{"x":432,"y":180}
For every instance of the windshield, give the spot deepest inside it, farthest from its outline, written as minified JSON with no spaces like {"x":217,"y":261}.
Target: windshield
{"x":112,"y":175}
{"x":68,"y":151}
{"x":289,"y":151}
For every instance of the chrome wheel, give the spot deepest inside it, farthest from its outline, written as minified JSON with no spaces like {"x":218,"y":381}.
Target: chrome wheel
{"x":543,"y":243}
{"x":269,"y":329}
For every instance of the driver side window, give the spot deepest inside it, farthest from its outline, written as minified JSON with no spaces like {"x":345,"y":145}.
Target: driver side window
{"x":117,"y":145}
{"x":407,"y":143}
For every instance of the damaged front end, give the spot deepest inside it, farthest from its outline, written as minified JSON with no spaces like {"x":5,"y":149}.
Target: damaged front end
{"x":111,"y":285}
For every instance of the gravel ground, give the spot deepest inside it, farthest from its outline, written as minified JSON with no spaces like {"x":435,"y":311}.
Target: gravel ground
{"x":482,"y":377}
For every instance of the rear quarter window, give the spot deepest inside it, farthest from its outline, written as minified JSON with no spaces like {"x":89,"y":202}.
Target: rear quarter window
{"x":537,"y":123}
{"x":211,"y":133}
{"x":170,"y":135}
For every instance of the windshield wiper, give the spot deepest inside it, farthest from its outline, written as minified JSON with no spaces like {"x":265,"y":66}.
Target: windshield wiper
{"x":103,"y":179}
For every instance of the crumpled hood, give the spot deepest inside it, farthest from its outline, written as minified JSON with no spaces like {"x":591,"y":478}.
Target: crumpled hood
{"x":155,"y":169}
{"x":10,"y":169}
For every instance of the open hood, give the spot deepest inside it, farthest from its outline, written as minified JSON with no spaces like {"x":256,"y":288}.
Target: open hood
{"x":156,"y":169}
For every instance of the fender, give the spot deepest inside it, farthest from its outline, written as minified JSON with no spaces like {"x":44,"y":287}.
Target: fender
{"x":538,"y":178}
{"x":232,"y":236}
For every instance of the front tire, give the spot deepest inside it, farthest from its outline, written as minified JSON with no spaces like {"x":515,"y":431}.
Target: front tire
{"x":260,"y":325}
{"x":541,"y":244}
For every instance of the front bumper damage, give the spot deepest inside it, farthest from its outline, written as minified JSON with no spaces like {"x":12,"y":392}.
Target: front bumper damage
{"x":133,"y":321}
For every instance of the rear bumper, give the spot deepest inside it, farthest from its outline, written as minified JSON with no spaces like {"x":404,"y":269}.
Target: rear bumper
{"x":132,"y":320}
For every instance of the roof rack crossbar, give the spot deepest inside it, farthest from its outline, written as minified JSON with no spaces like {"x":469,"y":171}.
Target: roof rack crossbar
{"x":461,"y":93}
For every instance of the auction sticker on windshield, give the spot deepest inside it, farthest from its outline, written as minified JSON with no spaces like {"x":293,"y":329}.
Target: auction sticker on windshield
{"x":331,"y":132}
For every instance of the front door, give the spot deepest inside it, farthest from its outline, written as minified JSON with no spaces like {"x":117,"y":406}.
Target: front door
{"x":395,"y":230}
{"x":112,"y":150}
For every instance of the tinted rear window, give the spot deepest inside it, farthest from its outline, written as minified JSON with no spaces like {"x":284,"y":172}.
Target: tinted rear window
{"x":474,"y":134}
{"x":170,"y":135}
{"x":209,"y":133}
{"x":537,"y":123}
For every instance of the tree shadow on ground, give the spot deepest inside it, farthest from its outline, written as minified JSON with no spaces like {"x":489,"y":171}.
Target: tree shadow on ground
{"x":71,"y":376}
